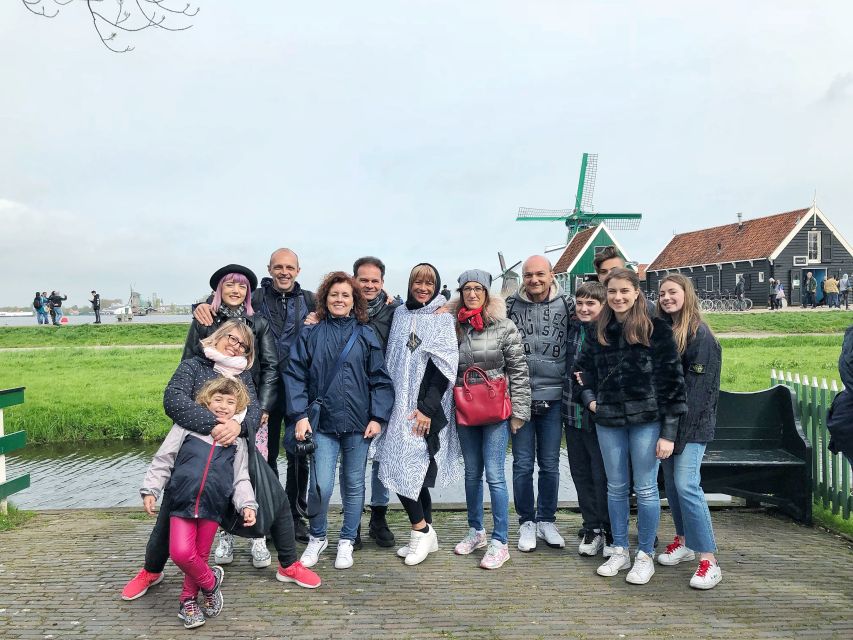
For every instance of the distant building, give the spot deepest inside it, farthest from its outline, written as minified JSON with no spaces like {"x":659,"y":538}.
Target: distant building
{"x":575,"y":264}
{"x":784,"y":246}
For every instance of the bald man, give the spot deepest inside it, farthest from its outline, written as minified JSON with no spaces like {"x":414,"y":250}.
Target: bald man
{"x":541,"y":311}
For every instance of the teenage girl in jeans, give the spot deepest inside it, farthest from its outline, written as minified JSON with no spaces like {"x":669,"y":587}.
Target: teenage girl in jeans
{"x":629,"y":375}
{"x":701,"y":358}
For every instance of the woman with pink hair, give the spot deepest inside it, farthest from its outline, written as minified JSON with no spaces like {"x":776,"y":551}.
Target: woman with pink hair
{"x":232,"y":287}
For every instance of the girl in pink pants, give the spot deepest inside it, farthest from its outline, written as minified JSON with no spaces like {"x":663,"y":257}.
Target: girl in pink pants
{"x":201,"y":476}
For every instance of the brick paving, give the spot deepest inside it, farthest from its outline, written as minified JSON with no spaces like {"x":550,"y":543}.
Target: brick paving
{"x":62,"y":572}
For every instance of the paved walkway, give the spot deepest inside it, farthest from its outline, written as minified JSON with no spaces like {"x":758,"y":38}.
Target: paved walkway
{"x":61,"y":574}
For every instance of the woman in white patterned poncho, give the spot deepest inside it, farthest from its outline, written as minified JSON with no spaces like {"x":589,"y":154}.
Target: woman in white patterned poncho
{"x":420,"y":445}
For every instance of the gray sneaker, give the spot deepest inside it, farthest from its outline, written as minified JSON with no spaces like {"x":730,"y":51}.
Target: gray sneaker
{"x":260,"y":554}
{"x":191,"y":614}
{"x":224,"y":553}
{"x":212,"y":600}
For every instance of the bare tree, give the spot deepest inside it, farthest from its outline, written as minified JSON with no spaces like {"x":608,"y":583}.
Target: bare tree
{"x":113,"y":19}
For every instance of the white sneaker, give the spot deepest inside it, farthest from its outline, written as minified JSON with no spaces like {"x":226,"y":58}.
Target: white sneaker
{"x":402,"y":552}
{"x":224,"y":553}
{"x":707,"y":576}
{"x":615,"y":563}
{"x":260,"y":554}
{"x":676,"y":553}
{"x":344,"y":558}
{"x":607,"y":551}
{"x":547,"y":531}
{"x":421,"y":545}
{"x":312,"y":552}
{"x":591,"y":544}
{"x":474,"y":540}
{"x":527,"y":536}
{"x":643,"y":570}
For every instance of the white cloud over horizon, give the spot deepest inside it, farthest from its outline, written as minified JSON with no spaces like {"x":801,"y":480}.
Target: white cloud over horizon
{"x":410,"y":131}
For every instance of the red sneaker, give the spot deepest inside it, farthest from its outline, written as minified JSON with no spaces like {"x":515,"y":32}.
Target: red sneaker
{"x":138,"y":587}
{"x":299,"y":574}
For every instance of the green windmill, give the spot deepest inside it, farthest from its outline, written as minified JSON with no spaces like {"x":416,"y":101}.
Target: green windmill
{"x":583,"y":216}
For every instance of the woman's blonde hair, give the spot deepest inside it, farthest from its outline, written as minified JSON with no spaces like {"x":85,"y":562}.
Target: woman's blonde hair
{"x":423,"y":272}
{"x":686,"y":322}
{"x":225,"y":386}
{"x":637,"y":327}
{"x":240,"y":330}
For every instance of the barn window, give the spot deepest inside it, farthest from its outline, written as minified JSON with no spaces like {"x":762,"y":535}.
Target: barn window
{"x":709,"y":283}
{"x":814,"y":245}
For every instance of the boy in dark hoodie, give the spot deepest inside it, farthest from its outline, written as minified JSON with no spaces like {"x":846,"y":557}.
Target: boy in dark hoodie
{"x":585,"y":461}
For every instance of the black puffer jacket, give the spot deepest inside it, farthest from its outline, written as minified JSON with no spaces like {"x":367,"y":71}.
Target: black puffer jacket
{"x":179,"y":397}
{"x":285,"y":313}
{"x":701,"y":362}
{"x":381,"y":322}
{"x":633,"y":384}
{"x":839,"y":420}
{"x":265,"y":366}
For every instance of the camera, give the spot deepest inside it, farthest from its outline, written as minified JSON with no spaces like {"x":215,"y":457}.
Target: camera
{"x":305,"y":447}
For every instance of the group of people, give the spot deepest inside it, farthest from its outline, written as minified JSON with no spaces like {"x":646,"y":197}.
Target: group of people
{"x":48,"y":308}
{"x":835,"y":291}
{"x":349,"y":374}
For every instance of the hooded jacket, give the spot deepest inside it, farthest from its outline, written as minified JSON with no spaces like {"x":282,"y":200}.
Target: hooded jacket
{"x":362,"y":391}
{"x":544,"y":329}
{"x":265,"y":366}
{"x":497,"y":350}
{"x":285,"y":312}
{"x":632,"y":383}
{"x":839,"y":420}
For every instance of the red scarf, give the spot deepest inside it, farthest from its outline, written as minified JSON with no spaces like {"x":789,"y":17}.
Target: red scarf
{"x":474,"y":317}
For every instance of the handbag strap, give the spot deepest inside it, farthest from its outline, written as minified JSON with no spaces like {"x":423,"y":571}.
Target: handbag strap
{"x":341,"y":359}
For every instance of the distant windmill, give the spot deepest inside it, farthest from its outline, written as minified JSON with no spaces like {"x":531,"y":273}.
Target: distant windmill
{"x":583,"y":216}
{"x":510,"y":278}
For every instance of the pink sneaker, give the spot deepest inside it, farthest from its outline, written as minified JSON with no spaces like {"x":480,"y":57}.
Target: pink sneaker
{"x":299,"y":574}
{"x":138,"y":587}
{"x":474,"y":540}
{"x":496,"y":555}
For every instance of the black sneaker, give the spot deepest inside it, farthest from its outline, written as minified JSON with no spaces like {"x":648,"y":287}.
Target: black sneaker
{"x":191,"y":614}
{"x":379,"y":530}
{"x":212,"y":600}
{"x":300,"y":530}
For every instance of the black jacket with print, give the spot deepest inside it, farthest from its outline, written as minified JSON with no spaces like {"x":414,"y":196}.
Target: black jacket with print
{"x":632,"y":383}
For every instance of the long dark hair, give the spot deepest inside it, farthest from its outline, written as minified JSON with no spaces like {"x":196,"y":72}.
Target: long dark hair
{"x":359,"y":306}
{"x":637,"y":326}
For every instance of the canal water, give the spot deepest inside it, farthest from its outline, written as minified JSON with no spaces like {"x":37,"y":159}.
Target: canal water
{"x":109,"y":474}
{"x":154,"y":318}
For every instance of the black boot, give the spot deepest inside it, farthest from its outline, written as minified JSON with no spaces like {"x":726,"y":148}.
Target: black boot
{"x":379,"y":530}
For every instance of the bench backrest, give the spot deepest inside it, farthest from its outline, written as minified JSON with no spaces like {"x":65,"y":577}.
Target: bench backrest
{"x":767,"y":419}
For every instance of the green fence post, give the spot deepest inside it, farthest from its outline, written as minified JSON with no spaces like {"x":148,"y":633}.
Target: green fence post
{"x":13,"y":441}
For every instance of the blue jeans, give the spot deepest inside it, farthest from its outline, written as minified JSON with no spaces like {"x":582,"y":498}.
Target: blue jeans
{"x":686,"y":499}
{"x":636,"y":442}
{"x":353,"y":448}
{"x":485,"y":447}
{"x":538,"y":439}
{"x":42,"y":317}
{"x":378,"y":492}
{"x":58,"y":315}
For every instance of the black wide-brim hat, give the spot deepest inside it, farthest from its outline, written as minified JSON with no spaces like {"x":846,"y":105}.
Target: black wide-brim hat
{"x":234,"y":268}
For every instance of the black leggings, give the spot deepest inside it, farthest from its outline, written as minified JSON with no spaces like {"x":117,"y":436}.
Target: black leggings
{"x":420,"y":509}
{"x":157,"y":550}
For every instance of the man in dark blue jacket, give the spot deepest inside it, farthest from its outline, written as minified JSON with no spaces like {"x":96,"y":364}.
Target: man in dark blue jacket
{"x":285,"y":304}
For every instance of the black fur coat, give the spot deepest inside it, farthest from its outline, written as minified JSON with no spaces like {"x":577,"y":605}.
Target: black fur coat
{"x":633,"y":384}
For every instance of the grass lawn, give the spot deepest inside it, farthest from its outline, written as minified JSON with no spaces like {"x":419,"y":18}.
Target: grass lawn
{"x":831,"y":521}
{"x":85,"y":394}
{"x":14,"y":518}
{"x":782,"y":322}
{"x":90,"y":335}
{"x":747,"y":361}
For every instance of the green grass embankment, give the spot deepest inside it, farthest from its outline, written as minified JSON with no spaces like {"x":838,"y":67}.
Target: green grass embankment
{"x":780,"y":322}
{"x":91,"y":335}
{"x":14,"y":518}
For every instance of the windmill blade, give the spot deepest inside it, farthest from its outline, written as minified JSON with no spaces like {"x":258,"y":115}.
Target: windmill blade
{"x":586,"y":182}
{"x":616,"y":221}
{"x":501,"y":260}
{"x":527,"y":214}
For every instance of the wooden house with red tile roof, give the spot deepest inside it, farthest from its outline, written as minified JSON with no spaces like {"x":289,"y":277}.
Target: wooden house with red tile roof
{"x":784,"y":246}
{"x":575,"y":263}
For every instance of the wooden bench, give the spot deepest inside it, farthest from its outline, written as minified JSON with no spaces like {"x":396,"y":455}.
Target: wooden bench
{"x":760,"y":452}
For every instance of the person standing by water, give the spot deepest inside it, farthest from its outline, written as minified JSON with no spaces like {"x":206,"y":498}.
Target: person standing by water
{"x":490,"y":341}
{"x":701,"y":361}
{"x":96,"y":305}
{"x":420,"y":446}
{"x":55,"y":300}
{"x":40,"y":306}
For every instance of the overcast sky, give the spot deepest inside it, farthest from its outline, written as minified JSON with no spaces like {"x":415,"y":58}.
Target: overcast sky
{"x":409,"y":130}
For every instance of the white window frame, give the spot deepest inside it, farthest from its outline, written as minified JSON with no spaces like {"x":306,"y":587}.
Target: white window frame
{"x":813,"y":233}
{"x":760,"y":276}
{"x":707,"y":280}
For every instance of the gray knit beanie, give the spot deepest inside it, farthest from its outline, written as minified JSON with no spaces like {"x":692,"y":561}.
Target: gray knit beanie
{"x":475,"y":275}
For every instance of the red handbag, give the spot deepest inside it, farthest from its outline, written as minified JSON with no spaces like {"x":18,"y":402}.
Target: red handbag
{"x":487,"y":402}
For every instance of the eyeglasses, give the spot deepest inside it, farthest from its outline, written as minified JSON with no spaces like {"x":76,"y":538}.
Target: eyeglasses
{"x":234,"y":341}
{"x":477,"y":290}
